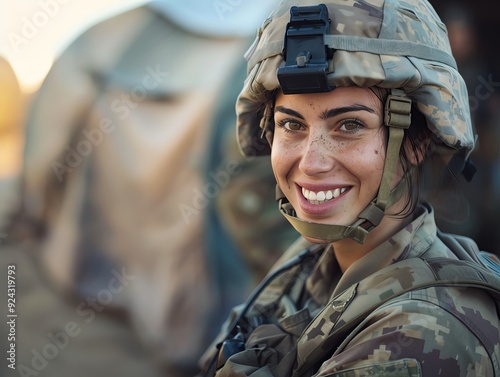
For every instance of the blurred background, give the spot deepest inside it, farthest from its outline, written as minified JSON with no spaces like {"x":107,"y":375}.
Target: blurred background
{"x":34,"y":32}
{"x":132,"y":240}
{"x":33,"y":36}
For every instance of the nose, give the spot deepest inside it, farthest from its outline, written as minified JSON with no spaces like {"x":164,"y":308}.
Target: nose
{"x":317,"y":155}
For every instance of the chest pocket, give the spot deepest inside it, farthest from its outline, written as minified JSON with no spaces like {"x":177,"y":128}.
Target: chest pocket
{"x":296,"y":323}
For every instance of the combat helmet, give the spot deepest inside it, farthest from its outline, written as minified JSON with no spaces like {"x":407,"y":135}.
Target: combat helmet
{"x":399,"y":45}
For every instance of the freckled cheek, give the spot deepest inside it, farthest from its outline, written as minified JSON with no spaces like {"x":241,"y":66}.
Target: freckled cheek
{"x":367,"y":162}
{"x":281,"y":158}
{"x":374,"y":164}
{"x":377,"y":155}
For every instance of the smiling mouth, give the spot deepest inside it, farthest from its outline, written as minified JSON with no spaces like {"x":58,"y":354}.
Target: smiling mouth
{"x":321,"y":197}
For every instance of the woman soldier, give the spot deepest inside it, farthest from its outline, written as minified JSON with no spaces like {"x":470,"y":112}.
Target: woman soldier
{"x":354,"y":100}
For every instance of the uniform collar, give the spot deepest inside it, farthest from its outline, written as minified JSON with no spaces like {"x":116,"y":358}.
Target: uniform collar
{"x":326,"y":280}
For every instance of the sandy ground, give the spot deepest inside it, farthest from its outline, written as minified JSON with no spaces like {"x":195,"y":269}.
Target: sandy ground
{"x":52,"y":339}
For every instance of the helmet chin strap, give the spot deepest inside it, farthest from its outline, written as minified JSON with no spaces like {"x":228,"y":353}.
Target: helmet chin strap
{"x":397,"y":117}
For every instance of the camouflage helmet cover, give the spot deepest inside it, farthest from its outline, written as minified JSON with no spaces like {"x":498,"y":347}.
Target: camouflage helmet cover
{"x":393,"y":44}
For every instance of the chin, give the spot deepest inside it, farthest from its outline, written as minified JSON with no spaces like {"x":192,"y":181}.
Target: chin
{"x":315,"y":240}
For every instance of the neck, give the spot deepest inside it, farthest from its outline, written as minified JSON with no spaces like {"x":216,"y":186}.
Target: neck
{"x":348,"y":251}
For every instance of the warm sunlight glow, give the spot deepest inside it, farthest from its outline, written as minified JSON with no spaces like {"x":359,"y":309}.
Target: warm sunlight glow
{"x":36,"y":31}
{"x":31,"y":74}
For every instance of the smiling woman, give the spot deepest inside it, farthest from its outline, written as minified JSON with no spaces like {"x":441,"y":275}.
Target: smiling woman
{"x":329,"y":158}
{"x":329,"y":147}
{"x":363,"y":106}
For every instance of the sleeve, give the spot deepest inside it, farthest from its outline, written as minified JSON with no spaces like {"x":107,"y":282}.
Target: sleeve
{"x":415,"y":337}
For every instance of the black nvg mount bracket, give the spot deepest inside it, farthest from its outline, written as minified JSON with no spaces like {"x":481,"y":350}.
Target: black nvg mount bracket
{"x":305,"y":52}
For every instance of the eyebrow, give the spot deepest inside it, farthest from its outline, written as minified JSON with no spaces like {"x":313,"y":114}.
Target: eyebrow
{"x":327,"y":113}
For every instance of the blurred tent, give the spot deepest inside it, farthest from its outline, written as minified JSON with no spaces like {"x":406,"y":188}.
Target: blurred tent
{"x":11,"y":115}
{"x":10,"y":119}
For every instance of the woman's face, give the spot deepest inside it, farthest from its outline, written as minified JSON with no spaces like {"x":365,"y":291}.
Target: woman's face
{"x":328,"y":152}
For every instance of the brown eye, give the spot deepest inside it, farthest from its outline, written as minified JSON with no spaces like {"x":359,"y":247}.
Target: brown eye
{"x":292,"y":126}
{"x":351,"y":125}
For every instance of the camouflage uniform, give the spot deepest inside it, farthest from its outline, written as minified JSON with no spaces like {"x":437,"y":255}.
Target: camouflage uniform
{"x":426,"y":332}
{"x":401,"y":46}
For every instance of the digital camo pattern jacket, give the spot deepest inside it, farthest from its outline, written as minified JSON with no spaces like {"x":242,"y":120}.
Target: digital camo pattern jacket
{"x":448,"y":331}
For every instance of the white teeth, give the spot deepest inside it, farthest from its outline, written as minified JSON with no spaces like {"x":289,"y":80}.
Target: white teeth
{"x":322,"y":196}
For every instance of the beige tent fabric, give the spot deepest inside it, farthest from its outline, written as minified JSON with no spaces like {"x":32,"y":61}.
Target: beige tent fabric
{"x":113,"y":174}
